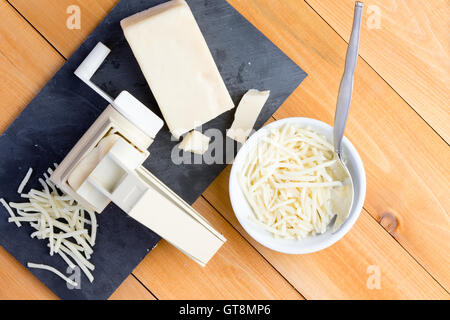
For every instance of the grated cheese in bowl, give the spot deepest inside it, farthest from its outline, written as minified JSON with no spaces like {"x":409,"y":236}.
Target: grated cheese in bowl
{"x":287,"y":182}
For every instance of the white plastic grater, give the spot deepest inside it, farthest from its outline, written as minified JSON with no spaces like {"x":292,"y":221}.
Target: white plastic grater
{"x":106,"y":165}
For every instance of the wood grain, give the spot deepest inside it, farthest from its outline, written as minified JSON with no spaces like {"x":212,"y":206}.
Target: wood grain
{"x":343,"y":270}
{"x":407,"y":43}
{"x":52,"y":22}
{"x":27,"y":62}
{"x":237,"y":271}
{"x":18,"y":283}
{"x":407,"y":164}
{"x":131,"y":289}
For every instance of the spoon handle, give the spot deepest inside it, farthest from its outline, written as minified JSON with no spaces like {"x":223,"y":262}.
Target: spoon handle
{"x":346,"y":86}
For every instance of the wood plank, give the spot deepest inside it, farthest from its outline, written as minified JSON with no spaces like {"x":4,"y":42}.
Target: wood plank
{"x":407,"y":164}
{"x":414,"y":58}
{"x":52,"y":22}
{"x":18,"y":283}
{"x":27,"y":62}
{"x":342,"y":271}
{"x":131,"y":289}
{"x":23,"y":69}
{"x":237,"y":271}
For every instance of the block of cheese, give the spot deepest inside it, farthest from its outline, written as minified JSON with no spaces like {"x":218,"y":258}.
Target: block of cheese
{"x":195,"y":142}
{"x":246,"y":114}
{"x":177,"y":64}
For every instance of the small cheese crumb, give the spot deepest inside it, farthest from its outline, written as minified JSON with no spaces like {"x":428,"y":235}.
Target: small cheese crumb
{"x":246,"y":114}
{"x":195,"y":142}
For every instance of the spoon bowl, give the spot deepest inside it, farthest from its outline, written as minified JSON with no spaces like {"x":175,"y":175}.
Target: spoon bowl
{"x":342,"y":196}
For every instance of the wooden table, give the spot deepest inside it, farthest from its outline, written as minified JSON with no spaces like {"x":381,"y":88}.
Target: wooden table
{"x":399,"y":122}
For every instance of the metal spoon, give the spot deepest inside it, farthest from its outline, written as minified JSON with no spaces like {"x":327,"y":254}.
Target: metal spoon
{"x":342,"y":197}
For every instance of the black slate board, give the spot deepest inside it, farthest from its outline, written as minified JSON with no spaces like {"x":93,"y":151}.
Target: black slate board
{"x":65,"y":108}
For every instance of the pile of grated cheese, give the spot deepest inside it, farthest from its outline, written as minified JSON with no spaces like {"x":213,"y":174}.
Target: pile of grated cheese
{"x":287,"y":181}
{"x":56,"y":217}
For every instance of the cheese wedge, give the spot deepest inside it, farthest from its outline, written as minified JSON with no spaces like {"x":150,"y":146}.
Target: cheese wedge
{"x":195,"y":142}
{"x":246,"y":114}
{"x":177,"y":64}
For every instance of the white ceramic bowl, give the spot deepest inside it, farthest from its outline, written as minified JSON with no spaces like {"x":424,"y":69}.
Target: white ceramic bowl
{"x":243,"y":210}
